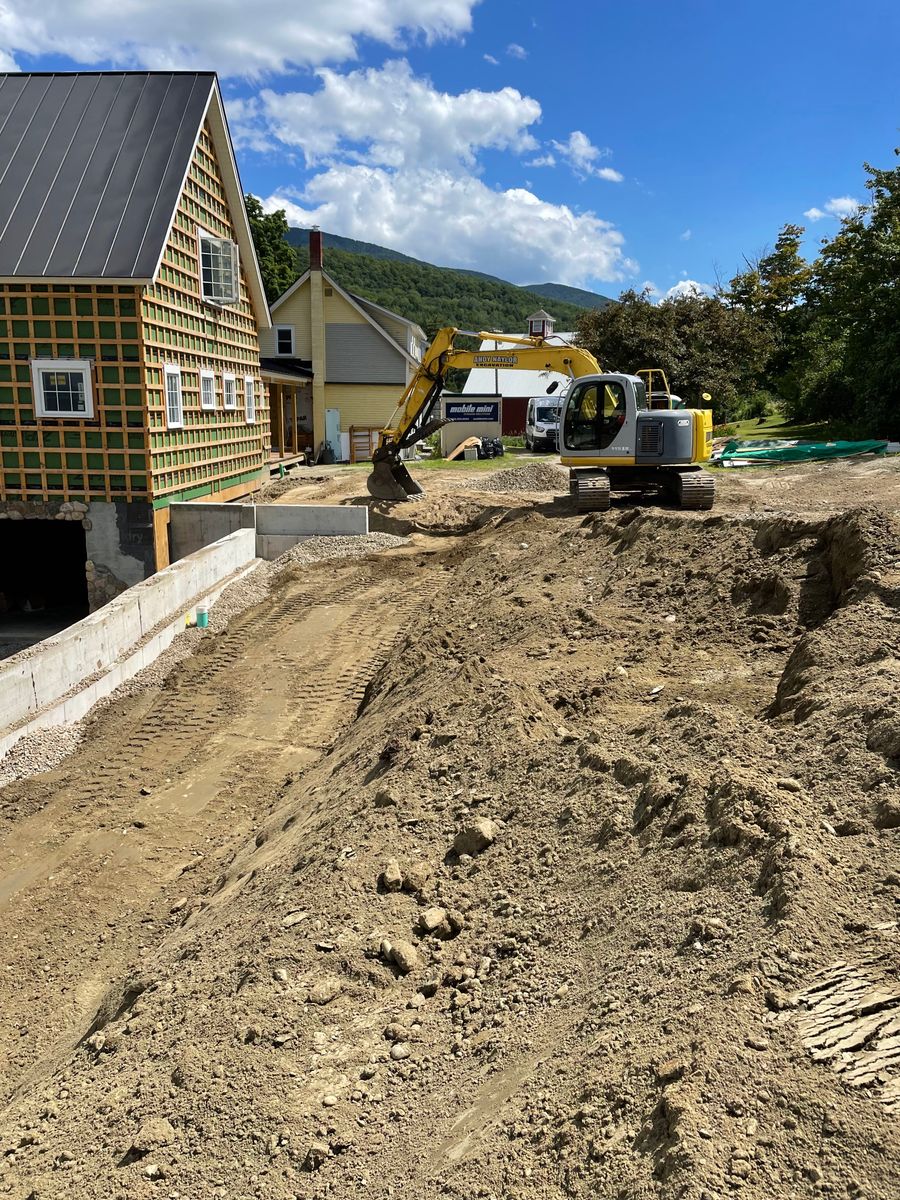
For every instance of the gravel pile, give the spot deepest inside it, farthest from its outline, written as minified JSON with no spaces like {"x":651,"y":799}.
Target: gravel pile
{"x":535,"y":477}
{"x":317,"y":549}
{"x":40,"y":751}
{"x":45,"y":749}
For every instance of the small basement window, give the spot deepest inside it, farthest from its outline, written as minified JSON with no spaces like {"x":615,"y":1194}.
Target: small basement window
{"x":249,"y":400}
{"x":62,"y":388}
{"x":284,"y":339}
{"x":229,"y":391}
{"x":207,"y":390}
{"x":220,"y":276}
{"x":174,"y":409}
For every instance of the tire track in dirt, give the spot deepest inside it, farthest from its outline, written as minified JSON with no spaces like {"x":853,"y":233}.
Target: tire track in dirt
{"x":86,"y":883}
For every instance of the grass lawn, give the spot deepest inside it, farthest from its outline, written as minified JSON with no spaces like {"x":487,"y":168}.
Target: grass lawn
{"x":512,"y":458}
{"x":780,"y":427}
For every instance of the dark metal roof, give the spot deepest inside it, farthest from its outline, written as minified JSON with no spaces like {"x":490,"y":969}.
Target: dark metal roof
{"x":91,"y":169}
{"x":301,"y":368}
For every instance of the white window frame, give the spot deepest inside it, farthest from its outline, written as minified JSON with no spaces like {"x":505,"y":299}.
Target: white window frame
{"x":235,"y":296}
{"x":206,"y":374}
{"x":229,"y":403}
{"x":81,"y":366}
{"x":249,"y":399}
{"x":170,"y":371}
{"x":282,"y":329}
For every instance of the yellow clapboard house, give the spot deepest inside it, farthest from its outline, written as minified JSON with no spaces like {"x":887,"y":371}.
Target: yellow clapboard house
{"x":335,"y":364}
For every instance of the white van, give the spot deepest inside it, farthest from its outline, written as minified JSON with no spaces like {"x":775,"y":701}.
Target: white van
{"x":542,"y":423}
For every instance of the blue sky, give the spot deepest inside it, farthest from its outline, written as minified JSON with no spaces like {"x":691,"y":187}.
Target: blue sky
{"x":601,"y":144}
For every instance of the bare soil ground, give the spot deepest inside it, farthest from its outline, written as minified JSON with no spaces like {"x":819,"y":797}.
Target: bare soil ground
{"x":544,"y":857}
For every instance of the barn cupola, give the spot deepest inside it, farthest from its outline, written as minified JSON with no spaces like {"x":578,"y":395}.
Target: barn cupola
{"x":540,"y":324}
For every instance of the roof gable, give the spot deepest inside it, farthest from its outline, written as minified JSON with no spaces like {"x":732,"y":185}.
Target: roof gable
{"x":371,"y":307}
{"x":92,"y":166}
{"x":354,"y":301}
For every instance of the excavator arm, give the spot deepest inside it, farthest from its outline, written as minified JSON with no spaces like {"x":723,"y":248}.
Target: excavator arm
{"x":414,"y":419}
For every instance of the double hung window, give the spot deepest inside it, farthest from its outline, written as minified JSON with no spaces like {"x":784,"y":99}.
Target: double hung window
{"x":174,"y":406}
{"x":62,"y":388}
{"x":220,"y":273}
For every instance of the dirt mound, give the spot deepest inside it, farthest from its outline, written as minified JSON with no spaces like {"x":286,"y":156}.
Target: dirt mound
{"x":435,"y":513}
{"x":568,"y":910}
{"x":533,"y":477}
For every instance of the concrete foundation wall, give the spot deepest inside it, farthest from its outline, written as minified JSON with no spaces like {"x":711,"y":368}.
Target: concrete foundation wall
{"x":280,"y":526}
{"x":193,"y":526}
{"x":35,"y":681}
{"x":312,"y":520}
{"x":277,"y":526}
{"x":119,"y":544}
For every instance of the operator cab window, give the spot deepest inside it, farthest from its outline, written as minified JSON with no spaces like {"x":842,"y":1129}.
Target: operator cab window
{"x":595,"y":414}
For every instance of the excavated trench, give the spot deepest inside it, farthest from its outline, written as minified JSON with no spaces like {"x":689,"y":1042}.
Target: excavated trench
{"x":672,"y":743}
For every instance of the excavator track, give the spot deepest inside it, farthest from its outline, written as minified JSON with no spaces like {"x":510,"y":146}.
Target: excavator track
{"x":695,"y":489}
{"x":589,"y":490}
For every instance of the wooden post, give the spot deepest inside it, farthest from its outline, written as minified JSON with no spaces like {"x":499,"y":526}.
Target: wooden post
{"x":278,"y":423}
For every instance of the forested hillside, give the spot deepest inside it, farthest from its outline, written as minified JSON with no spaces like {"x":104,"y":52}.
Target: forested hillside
{"x":570,"y":295}
{"x":431,"y":296}
{"x":438,"y":296}
{"x":300,"y":237}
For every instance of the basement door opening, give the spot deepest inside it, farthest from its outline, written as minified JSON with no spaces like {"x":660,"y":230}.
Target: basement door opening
{"x":43,"y":586}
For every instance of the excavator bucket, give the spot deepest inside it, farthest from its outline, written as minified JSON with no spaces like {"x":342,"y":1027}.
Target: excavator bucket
{"x":390,"y":480}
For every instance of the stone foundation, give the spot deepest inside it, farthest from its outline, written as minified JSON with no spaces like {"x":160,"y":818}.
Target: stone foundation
{"x":109,"y":533}
{"x":30,"y":510}
{"x":102,"y":585}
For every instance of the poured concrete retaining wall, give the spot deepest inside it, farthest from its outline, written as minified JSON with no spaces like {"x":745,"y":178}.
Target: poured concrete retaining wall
{"x":48,"y":684}
{"x":193,"y":526}
{"x":278,"y":526}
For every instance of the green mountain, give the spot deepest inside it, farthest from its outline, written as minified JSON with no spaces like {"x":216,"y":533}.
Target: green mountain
{"x":570,"y":295}
{"x":300,"y":237}
{"x":436,"y":296}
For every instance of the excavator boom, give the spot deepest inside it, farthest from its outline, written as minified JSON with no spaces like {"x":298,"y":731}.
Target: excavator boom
{"x":413,"y":419}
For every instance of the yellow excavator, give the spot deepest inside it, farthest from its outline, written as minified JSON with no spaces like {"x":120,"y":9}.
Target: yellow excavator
{"x":609,"y":437}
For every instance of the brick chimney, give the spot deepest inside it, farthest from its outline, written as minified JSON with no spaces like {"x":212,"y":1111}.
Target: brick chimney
{"x":315,"y":250}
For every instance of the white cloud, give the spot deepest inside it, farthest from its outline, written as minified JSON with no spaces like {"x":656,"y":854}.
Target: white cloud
{"x":7,"y":62}
{"x":649,"y":286}
{"x":230,"y":36}
{"x":247,"y":126}
{"x":489,"y":58}
{"x":390,"y":117}
{"x":686,"y":235}
{"x":514,"y":50}
{"x":542,"y":160}
{"x":688,"y":287}
{"x":583,"y":156}
{"x":838,"y":206}
{"x":842,"y":206}
{"x":451,"y":217}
